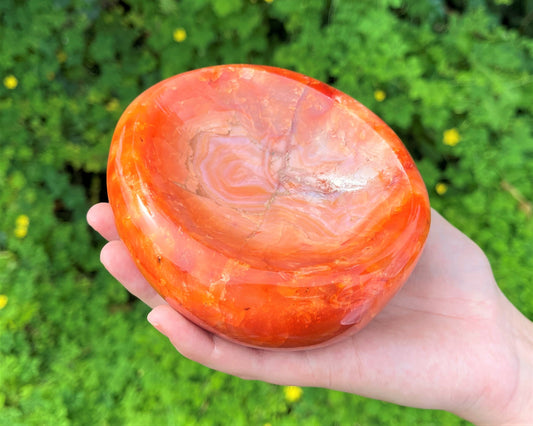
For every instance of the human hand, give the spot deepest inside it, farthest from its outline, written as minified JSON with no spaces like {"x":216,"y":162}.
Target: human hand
{"x":448,"y":340}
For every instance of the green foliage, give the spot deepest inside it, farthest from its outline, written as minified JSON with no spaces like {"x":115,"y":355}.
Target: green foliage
{"x":74,"y":348}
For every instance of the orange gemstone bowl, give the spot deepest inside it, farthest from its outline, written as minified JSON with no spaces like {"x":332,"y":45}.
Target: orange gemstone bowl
{"x":265,"y":206}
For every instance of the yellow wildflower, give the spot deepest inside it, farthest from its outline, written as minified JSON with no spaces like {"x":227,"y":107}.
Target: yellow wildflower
{"x":380,"y":95}
{"x":179,"y":35}
{"x":22,"y":220}
{"x":21,"y":232}
{"x":10,"y":82}
{"x":3,"y":301}
{"x":441,"y":188}
{"x":292,"y":393}
{"x":21,"y":225}
{"x":451,"y":137}
{"x":269,"y":1}
{"x":112,"y":105}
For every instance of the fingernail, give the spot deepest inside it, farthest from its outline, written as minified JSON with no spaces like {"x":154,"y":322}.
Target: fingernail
{"x":154,"y":321}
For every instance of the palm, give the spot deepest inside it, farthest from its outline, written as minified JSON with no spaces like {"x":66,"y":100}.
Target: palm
{"x":413,"y":353}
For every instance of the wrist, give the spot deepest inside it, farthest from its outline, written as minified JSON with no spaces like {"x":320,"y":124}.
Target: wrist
{"x":521,"y":405}
{"x":515,"y":406}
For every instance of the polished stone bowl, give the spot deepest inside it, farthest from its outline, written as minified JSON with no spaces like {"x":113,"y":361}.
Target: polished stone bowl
{"x":265,"y":206}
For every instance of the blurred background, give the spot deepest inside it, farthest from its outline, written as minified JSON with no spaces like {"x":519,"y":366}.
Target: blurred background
{"x":454,"y":78}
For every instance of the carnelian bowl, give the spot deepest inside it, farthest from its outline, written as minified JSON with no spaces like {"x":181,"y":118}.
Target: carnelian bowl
{"x":265,"y":206}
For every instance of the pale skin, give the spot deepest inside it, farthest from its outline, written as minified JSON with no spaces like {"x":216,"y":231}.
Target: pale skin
{"x":448,"y":340}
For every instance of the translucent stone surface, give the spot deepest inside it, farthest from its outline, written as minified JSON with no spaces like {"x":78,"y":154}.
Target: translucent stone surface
{"x":265,"y":206}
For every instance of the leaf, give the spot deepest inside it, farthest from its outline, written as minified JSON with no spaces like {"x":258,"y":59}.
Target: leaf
{"x":168,"y":7}
{"x":224,"y":8}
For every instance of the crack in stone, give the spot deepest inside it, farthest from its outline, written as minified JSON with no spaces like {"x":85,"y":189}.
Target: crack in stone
{"x":282,"y":170}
